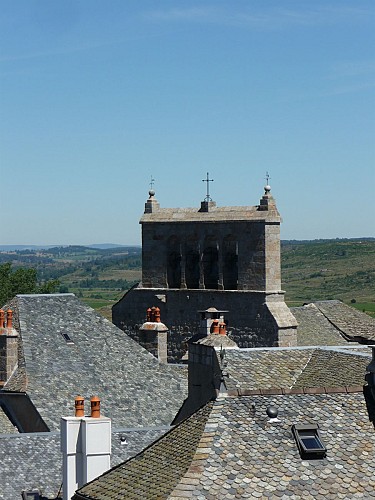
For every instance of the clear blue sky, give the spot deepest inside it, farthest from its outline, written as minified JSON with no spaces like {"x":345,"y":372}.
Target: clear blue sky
{"x":97,"y":96}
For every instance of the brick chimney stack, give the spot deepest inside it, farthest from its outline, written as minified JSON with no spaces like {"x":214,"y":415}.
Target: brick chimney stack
{"x":153,"y":335}
{"x":8,"y":346}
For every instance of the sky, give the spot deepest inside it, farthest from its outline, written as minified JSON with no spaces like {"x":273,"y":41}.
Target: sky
{"x":98,"y":97}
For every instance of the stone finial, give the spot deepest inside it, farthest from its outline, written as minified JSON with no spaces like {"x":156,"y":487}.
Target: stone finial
{"x":151,"y":204}
{"x":267,"y":201}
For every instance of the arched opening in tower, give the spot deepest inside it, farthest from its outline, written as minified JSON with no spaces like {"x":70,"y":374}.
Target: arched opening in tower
{"x":210,"y":262}
{"x":174,"y":263}
{"x":230,"y":263}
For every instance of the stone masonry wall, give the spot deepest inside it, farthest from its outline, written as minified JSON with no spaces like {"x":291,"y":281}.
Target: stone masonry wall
{"x":249,"y":238}
{"x":249,"y":322}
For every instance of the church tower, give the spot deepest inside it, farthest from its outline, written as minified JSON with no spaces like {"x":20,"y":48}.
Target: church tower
{"x":211,"y":256}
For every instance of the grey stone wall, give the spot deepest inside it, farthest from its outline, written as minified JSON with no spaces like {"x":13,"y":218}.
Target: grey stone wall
{"x":255,"y":245}
{"x":250,"y":323}
{"x":205,"y":378}
{"x":223,"y":257}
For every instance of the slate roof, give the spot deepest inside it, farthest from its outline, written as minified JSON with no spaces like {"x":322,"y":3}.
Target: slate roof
{"x":155,"y":471}
{"x":314,"y":328}
{"x":331,"y":322}
{"x":240,"y":454}
{"x":353,"y":325}
{"x":250,"y":369}
{"x":134,"y":388}
{"x":6,"y":426}
{"x":34,"y":461}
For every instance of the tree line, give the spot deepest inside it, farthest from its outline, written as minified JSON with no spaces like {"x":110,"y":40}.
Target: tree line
{"x":22,"y":280}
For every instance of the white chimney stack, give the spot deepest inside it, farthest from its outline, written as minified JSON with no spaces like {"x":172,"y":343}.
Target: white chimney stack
{"x":86,"y":446}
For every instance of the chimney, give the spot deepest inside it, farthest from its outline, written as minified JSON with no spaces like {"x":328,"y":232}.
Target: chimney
{"x":153,"y":335}
{"x":86,"y":446}
{"x":370,"y":375}
{"x":8,"y":346}
{"x":208,"y":317}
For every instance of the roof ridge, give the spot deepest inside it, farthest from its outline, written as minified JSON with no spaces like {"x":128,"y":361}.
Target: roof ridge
{"x":303,"y":369}
{"x":280,"y":391}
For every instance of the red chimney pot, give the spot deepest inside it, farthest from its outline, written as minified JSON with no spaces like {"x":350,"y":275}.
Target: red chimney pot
{"x":95,"y":407}
{"x":79,"y":406}
{"x":9,"y":318}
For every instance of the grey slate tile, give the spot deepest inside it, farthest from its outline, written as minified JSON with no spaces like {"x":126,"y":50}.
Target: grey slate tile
{"x":134,"y":388}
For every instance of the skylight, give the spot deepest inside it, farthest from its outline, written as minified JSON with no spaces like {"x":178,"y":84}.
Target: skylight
{"x":67,"y":339}
{"x":309,"y":441}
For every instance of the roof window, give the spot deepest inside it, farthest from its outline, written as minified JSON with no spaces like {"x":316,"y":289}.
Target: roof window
{"x":67,"y":339}
{"x":309,"y":441}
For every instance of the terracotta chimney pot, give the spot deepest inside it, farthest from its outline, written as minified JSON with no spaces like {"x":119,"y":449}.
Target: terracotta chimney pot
{"x":148,"y":314}
{"x":95,"y":407}
{"x":222,"y":329}
{"x":79,"y":406}
{"x":157,"y":315}
{"x":9,"y":318}
{"x":215,"y":326}
{"x":2,"y":314}
{"x":152,"y":315}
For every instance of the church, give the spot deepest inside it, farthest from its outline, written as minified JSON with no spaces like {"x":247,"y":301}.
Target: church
{"x":210,"y":256}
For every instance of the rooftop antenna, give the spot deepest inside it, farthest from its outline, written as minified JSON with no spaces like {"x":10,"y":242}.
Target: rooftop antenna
{"x":208,"y":180}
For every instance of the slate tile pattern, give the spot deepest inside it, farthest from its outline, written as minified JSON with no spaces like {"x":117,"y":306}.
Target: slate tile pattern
{"x":156,"y":471}
{"x":256,"y":369}
{"x":6,"y":426}
{"x":352,"y":323}
{"x":314,"y":328}
{"x":294,"y":368}
{"x":234,"y":451}
{"x":31,"y":461}
{"x":329,"y":368}
{"x":242,"y":455}
{"x":134,"y":388}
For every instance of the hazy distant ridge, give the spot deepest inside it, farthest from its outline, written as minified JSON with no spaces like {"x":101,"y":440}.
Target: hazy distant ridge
{"x":106,"y":246}
{"x":100,"y":246}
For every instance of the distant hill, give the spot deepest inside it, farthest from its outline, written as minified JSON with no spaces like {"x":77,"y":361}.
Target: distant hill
{"x":311,"y":270}
{"x":331,"y":269}
{"x":102,"y":246}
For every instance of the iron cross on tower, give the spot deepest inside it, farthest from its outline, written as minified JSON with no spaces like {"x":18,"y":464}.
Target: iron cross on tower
{"x":208,"y":180}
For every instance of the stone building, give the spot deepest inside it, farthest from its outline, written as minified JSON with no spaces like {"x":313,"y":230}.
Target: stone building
{"x":211,"y":256}
{"x":266,"y":423}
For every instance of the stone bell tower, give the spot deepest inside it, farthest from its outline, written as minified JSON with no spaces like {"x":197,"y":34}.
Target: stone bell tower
{"x":212,"y":256}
